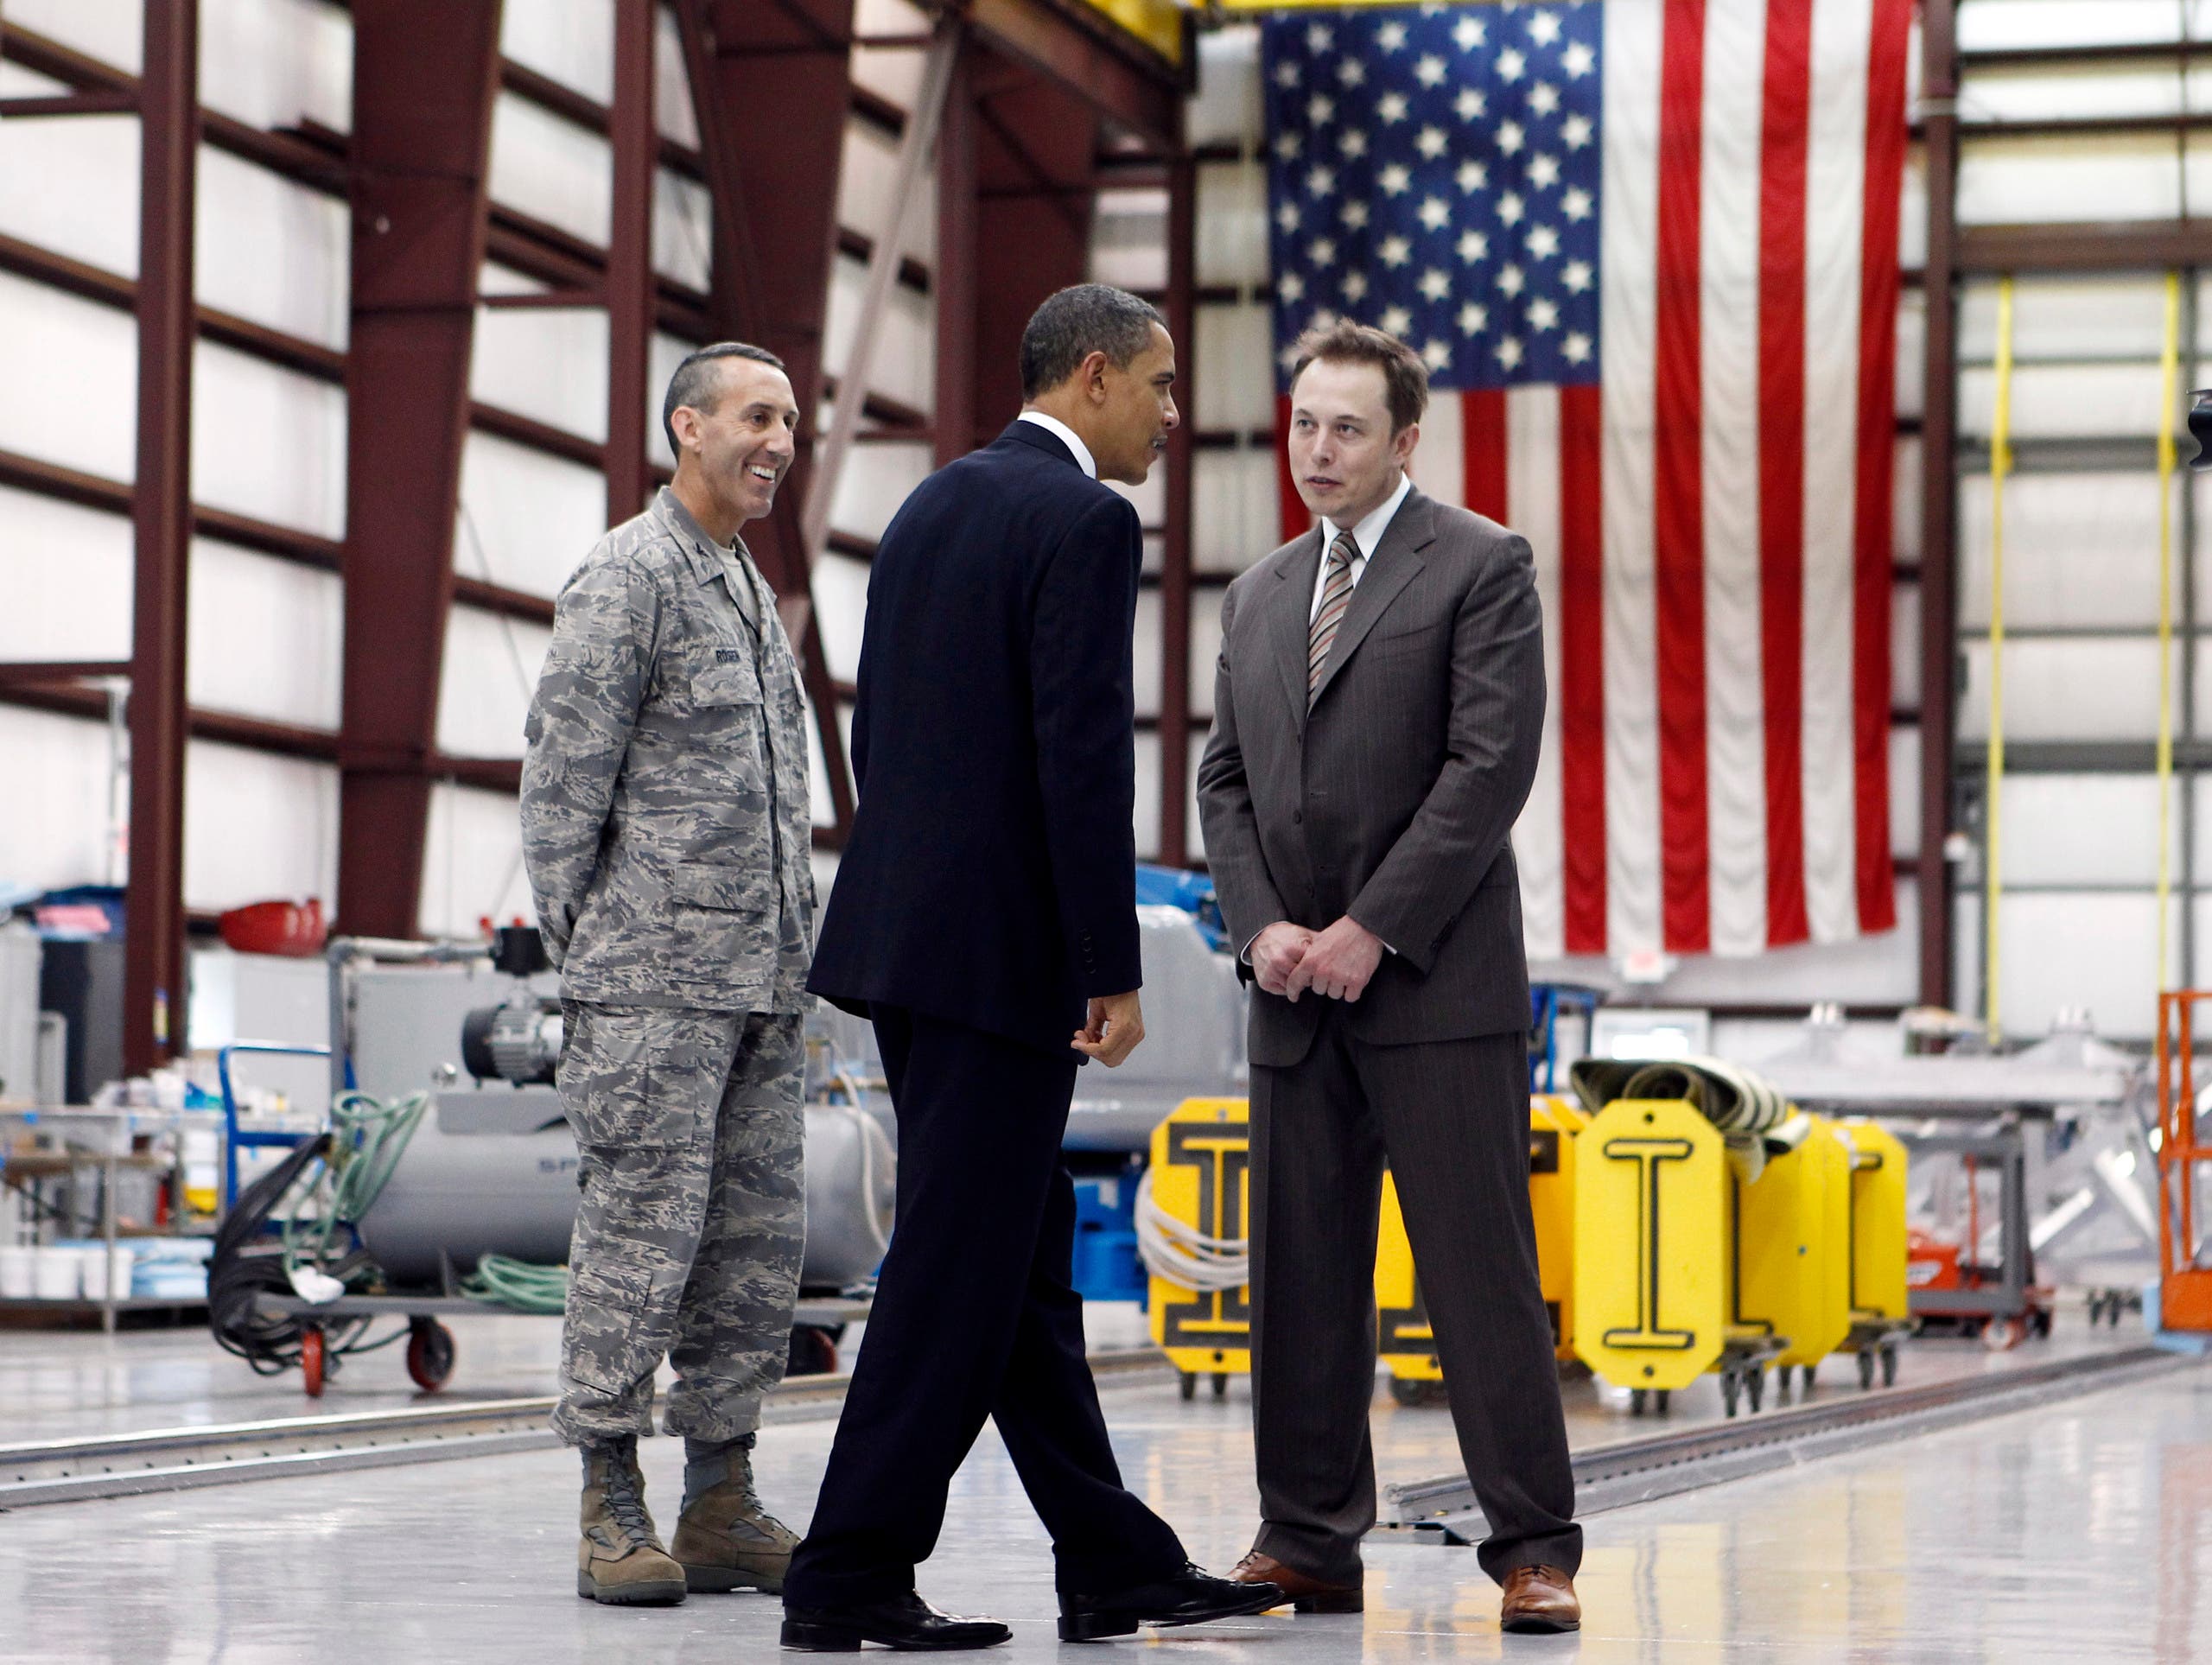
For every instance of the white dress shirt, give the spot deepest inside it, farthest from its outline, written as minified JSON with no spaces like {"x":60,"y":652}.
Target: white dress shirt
{"x":1067,"y":436}
{"x":1367,"y":534}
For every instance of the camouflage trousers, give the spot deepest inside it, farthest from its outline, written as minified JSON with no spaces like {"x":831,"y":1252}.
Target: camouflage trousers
{"x":688,"y":1242}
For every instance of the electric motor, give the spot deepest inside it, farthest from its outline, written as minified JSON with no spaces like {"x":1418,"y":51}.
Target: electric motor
{"x":519,"y":1041}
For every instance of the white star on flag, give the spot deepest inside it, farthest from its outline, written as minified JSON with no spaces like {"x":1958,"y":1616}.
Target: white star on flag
{"x":1435,"y":215}
{"x":1436,"y":355}
{"x":1435,"y":285}
{"x":1473,"y":245}
{"x":1396,"y":180}
{"x":1469,"y":104}
{"x":1430,"y":72}
{"x":1543,"y":242}
{"x":1396,"y":321}
{"x":1468,"y":33}
{"x":1396,"y":251}
{"x":1543,"y":29}
{"x":1511,"y":65}
{"x":1473,"y":176}
{"x":1509,"y":354}
{"x":1473,"y":319}
{"x":1431,"y":142}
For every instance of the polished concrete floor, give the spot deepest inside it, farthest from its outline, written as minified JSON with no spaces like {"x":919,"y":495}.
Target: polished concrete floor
{"x":2079,"y":1532}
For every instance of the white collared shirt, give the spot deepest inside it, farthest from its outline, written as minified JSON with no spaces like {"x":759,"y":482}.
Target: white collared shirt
{"x":1067,"y":436}
{"x":1368,"y":535}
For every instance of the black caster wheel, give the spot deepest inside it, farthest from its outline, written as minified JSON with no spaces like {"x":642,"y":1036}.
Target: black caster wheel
{"x":1888,"y":1367}
{"x":1730,"y":1387}
{"x":1636,"y":1401}
{"x":1662,"y":1398}
{"x":1867,"y":1370}
{"x":2096,"y":1308}
{"x":813,"y":1352}
{"x":1755,"y":1388}
{"x":314,"y":1360}
{"x":1221,"y":1384}
{"x":1188,"y":1385}
{"x":429,"y":1353}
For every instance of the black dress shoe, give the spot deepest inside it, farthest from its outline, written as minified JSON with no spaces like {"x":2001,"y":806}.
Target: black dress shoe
{"x":905,"y":1621}
{"x":1190,"y":1597}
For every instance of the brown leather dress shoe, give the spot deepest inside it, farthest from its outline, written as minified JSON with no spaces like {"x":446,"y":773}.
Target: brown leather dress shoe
{"x":1306,"y":1594}
{"x":1539,"y":1600}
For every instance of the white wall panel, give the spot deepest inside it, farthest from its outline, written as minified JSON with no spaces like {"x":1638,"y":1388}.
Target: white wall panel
{"x":1145,"y":664}
{"x":1234,"y":353}
{"x":1231,"y":243}
{"x":273,"y":62}
{"x":2065,"y":401}
{"x":551,"y":168}
{"x":684,"y":229}
{"x":672,"y":111}
{"x":1905,"y":502}
{"x":572,"y":40}
{"x":72,"y":185}
{"x":491,"y":670}
{"x":1904,"y":793}
{"x":1911,"y":352}
{"x":66,"y":574}
{"x":840,"y":586}
{"x":2081,"y":830}
{"x":867,"y":179}
{"x":904,"y":364}
{"x":2086,"y":687}
{"x":546,"y":363}
{"x":876,"y":481}
{"x":2080,"y":549}
{"x":68,"y":761}
{"x":265,"y":637}
{"x":1235,"y":517}
{"x":893,"y":73}
{"x":112,"y":31}
{"x":1145,"y":820}
{"x":820,"y":804}
{"x":2067,"y":317}
{"x":1227,"y":106}
{"x":2074,"y":178}
{"x":2085,"y":90}
{"x":1905,"y":646}
{"x":270,"y":251}
{"x":258,"y":827}
{"x":1912,"y":209}
{"x":2109,"y":947}
{"x":70,"y":392}
{"x":1986,"y":25}
{"x":526,"y":518}
{"x":1151,"y":498}
{"x":1205,"y":648}
{"x":2199,"y":829}
{"x":1128,"y":239}
{"x":472,"y":863}
{"x":267,"y":442}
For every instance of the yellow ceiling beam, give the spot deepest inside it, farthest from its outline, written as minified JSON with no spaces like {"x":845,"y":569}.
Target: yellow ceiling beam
{"x":1158,"y":23}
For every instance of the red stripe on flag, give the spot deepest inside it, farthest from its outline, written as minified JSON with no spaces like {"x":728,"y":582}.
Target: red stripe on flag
{"x":1296,"y":517}
{"x":1872,"y":556}
{"x":1581,"y":692}
{"x":1678,"y":507}
{"x":1482,"y":451}
{"x":1786,"y":138}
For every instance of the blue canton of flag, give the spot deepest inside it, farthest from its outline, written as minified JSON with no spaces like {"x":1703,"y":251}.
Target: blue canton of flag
{"x":1434,"y":171}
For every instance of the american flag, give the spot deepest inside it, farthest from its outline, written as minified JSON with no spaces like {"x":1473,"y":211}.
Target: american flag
{"x":1649,"y":249}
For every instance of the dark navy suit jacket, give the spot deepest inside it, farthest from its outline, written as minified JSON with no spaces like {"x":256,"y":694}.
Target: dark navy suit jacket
{"x":988,"y":879}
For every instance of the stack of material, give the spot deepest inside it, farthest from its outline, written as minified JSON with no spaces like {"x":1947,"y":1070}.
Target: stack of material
{"x":1753,"y":1118}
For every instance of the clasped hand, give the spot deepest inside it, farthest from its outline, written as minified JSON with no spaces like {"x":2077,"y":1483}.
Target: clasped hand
{"x":1288,"y":959}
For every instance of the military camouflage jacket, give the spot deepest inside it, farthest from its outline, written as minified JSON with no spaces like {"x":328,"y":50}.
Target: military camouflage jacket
{"x":666,"y":823}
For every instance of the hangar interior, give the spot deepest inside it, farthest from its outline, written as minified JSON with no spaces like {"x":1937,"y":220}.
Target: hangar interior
{"x":335,"y":333}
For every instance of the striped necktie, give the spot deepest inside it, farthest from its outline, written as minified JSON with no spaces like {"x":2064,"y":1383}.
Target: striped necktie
{"x":1336,"y":596}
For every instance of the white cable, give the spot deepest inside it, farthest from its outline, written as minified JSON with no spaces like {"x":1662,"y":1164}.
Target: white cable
{"x":1179,"y":1253}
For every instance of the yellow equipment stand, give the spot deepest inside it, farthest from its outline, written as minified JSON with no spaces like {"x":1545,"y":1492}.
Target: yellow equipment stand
{"x":1650,"y":1296}
{"x":1793,"y":1243}
{"x":1407,"y":1344}
{"x":1880,"y":1313}
{"x":1201,"y":1174}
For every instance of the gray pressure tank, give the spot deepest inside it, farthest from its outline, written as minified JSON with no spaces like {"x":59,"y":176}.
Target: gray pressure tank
{"x":492,"y":1170}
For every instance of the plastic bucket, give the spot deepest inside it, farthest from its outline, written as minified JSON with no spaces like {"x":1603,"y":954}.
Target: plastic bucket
{"x":57,"y":1274}
{"x":102,"y":1270}
{"x":18,"y":1275}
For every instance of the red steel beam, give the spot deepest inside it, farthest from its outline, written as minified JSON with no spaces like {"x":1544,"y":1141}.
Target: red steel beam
{"x":1175,"y":553}
{"x":424,"y":75}
{"x":782,"y":69}
{"x":1090,"y":59}
{"x":153,"y":985}
{"x":1939,"y":604}
{"x":629,"y":286}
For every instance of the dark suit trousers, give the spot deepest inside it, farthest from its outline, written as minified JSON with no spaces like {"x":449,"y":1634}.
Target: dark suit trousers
{"x":975,"y":1315}
{"x":1452,"y":1119}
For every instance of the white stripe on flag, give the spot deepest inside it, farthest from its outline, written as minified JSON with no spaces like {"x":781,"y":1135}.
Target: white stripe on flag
{"x":1438,"y":467}
{"x":1836,"y":171}
{"x":1627,"y":311}
{"x":1728,"y":268}
{"x":1532,"y":505}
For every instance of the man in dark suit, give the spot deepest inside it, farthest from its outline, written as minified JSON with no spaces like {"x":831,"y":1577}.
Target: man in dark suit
{"x":1378,"y":709}
{"x":983,"y":917}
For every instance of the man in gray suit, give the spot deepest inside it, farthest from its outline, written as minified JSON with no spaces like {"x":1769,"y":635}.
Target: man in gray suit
{"x":1378,"y":710}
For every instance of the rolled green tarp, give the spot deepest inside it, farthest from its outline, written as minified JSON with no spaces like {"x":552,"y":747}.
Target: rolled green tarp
{"x":1753,"y":1118}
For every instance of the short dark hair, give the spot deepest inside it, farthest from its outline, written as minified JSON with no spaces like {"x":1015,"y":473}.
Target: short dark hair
{"x":1084,"y":319}
{"x":695,"y":382}
{"x":1405,"y":377}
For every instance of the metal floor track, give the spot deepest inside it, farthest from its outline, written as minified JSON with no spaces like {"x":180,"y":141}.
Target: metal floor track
{"x":1630,"y":1471}
{"x":179,"y":1459}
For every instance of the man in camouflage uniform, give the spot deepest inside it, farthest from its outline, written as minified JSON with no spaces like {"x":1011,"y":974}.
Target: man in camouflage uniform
{"x":666,"y":828}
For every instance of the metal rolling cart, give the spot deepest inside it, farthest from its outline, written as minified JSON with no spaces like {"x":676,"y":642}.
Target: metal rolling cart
{"x":82,"y":1152}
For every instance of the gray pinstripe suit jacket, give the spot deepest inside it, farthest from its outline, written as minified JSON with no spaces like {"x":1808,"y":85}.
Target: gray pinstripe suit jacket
{"x":1391,"y":798}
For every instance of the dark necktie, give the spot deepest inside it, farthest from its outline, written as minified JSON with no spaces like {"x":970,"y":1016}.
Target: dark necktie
{"x":1336,"y":596}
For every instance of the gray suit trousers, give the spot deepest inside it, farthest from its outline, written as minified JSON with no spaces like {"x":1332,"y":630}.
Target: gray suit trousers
{"x":1451,"y":1118}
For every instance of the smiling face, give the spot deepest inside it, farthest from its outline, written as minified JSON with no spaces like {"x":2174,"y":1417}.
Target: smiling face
{"x":1343,"y":458}
{"x":738,"y":453}
{"x":1133,"y":406}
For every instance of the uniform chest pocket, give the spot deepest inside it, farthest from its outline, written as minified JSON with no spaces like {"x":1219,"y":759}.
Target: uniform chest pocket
{"x":727,"y":682}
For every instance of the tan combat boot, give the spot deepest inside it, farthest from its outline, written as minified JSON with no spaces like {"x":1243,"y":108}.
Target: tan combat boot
{"x":620,"y":1560}
{"x":725,"y":1538}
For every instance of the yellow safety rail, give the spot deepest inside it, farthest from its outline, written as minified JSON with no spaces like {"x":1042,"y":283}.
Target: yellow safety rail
{"x":2000,"y":465}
